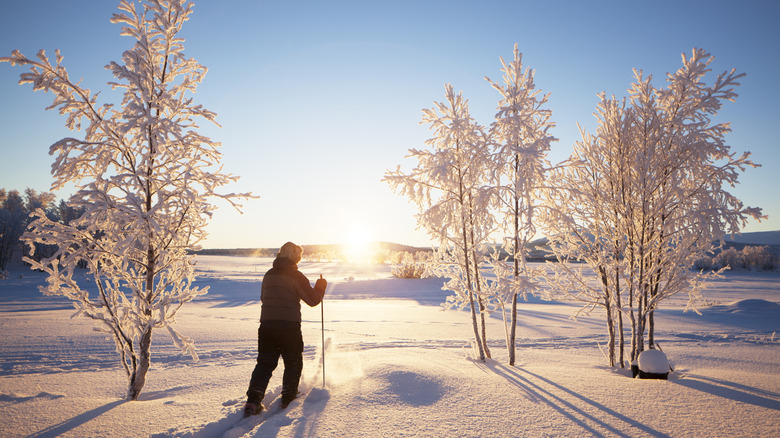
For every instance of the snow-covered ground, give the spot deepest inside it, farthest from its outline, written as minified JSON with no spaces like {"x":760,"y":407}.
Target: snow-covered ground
{"x":397,"y":365}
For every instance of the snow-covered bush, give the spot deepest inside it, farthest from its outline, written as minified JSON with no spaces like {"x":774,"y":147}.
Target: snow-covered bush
{"x":409,"y":265}
{"x":729,"y":258}
{"x":751,"y":257}
{"x":758,"y":258}
{"x":703,"y":263}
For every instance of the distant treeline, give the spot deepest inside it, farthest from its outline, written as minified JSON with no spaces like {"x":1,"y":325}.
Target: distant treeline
{"x":378,"y":252}
{"x":15,"y":209}
{"x":239,"y":252}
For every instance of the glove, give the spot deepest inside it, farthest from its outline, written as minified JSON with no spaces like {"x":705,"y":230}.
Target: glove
{"x":321,"y":284}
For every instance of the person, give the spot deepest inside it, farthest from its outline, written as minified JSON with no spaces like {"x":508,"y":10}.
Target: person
{"x":279,"y":334}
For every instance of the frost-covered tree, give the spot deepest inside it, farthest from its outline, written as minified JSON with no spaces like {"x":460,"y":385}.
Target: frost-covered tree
{"x":521,"y":138}
{"x":144,"y":178}
{"x":12,"y":222}
{"x":448,"y":186}
{"x":645,"y":197}
{"x":15,"y":210}
{"x":582,"y":219}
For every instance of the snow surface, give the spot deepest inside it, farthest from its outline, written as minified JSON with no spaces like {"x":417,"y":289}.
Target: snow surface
{"x":397,"y":365}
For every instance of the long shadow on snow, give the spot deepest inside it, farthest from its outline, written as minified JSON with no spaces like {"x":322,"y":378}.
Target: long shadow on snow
{"x":78,"y":420}
{"x":567,"y":408}
{"x":229,"y":292}
{"x":313,"y":406}
{"x":226,"y":292}
{"x":238,"y":292}
{"x":731,"y":390}
{"x":752,"y":314}
{"x":311,"y":414}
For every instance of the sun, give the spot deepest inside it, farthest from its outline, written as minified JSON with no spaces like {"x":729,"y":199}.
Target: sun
{"x":358,"y":237}
{"x":358,"y":244}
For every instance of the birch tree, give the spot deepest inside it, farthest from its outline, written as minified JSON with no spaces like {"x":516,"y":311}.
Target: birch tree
{"x":521,"y":138}
{"x":646,"y":197}
{"x":583,"y":219}
{"x":144,"y":177}
{"x":448,"y":186}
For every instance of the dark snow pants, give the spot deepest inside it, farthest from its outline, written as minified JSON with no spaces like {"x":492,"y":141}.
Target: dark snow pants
{"x":274,"y":339}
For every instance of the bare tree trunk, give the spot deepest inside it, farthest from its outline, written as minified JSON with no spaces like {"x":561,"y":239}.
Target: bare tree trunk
{"x":138,"y":378}
{"x":608,"y":308}
{"x":621,"y":336}
{"x":476,"y":328}
{"x":633,"y":325}
{"x":466,"y":248}
{"x":477,"y":281}
{"x":513,"y":330}
{"x":472,"y":305}
{"x":619,"y":311}
{"x":650,"y":330}
{"x":484,"y":333}
{"x":611,"y":331}
{"x":641,"y":324}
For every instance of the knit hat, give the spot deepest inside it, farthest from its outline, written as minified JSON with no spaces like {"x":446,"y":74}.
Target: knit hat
{"x":291,"y":251}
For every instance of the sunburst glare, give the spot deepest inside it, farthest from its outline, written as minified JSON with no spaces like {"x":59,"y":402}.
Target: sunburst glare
{"x":358,"y":247}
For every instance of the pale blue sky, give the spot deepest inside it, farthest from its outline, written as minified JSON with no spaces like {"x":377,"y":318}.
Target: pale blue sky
{"x":318,"y":99}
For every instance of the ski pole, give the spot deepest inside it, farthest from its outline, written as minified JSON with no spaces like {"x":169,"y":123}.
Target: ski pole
{"x":322,"y":312}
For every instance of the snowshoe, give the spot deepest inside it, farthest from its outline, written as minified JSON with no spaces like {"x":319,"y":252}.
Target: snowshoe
{"x":252,"y":409}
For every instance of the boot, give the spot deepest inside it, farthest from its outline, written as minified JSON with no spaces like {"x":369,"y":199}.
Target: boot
{"x":252,"y":409}
{"x":288,"y":395}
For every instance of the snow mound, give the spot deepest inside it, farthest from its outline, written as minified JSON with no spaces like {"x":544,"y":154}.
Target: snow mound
{"x":750,"y":305}
{"x":407,"y":387}
{"x":653,"y":361}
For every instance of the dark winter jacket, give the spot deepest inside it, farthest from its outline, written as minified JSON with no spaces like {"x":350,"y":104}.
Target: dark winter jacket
{"x":284,"y":286}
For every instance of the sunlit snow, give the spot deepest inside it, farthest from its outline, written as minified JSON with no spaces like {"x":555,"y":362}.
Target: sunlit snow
{"x":397,"y":365}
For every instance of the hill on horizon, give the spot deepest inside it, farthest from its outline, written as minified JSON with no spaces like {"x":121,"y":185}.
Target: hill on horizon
{"x":771,"y":238}
{"x":308,"y":249}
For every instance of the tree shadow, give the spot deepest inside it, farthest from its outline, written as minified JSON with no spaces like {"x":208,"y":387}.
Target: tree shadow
{"x":568,"y":409}
{"x":731,"y":390}
{"x":225,"y":292}
{"x":157,"y":395}
{"x":68,"y":425}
